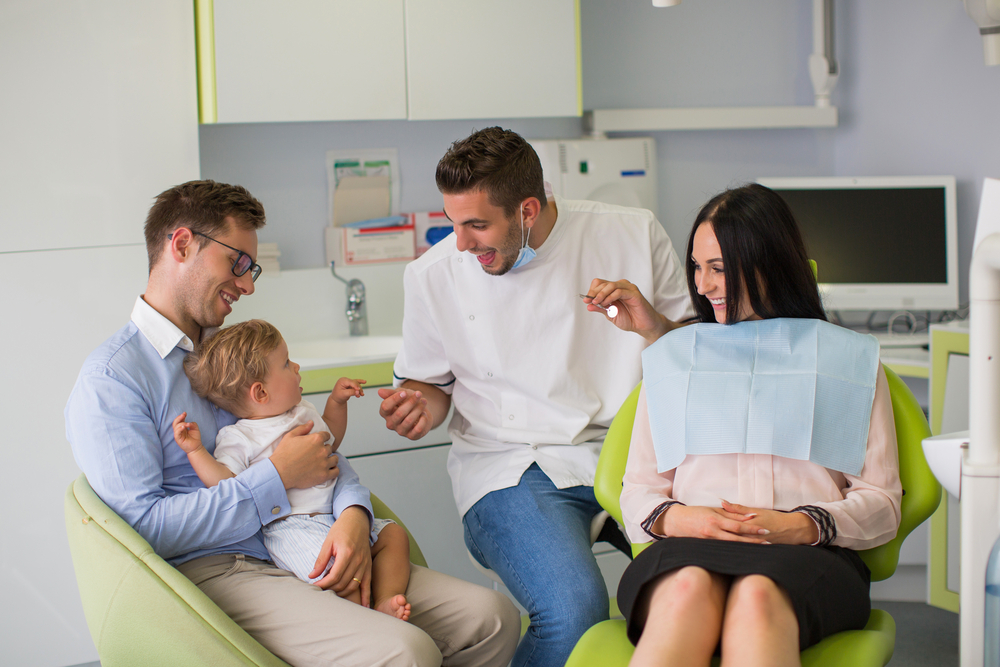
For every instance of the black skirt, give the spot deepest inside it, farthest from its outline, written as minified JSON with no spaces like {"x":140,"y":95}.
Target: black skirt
{"x":828,"y":586}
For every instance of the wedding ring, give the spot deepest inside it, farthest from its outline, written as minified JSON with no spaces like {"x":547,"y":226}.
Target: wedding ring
{"x":356,"y":579}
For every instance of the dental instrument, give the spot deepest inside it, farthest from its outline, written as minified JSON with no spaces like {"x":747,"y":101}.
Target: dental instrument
{"x":611,"y":310}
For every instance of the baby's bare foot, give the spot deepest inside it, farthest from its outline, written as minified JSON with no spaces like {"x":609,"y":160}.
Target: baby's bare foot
{"x":396,"y":606}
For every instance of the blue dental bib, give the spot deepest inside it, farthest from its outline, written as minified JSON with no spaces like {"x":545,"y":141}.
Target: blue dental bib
{"x":797,"y":388}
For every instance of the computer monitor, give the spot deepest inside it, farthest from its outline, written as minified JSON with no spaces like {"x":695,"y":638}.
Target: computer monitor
{"x":883,"y":243}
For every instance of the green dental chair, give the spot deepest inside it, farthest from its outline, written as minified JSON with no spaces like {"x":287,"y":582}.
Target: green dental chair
{"x":142,"y":611}
{"x":606,"y":644}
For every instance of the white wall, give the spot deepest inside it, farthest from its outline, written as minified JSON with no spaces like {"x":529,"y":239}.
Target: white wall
{"x":97,"y":116}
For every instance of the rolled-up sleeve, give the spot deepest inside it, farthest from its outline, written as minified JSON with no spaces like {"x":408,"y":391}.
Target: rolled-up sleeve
{"x":422,"y":356}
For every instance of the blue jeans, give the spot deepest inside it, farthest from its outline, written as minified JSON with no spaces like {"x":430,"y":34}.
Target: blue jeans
{"x":537,"y":539}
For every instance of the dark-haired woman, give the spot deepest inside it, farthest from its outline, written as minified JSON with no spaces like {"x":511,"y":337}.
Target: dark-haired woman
{"x":763,"y":453}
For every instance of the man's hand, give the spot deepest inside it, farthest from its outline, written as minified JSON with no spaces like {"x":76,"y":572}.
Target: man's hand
{"x":405,"y":411}
{"x":634,"y":312}
{"x":347,"y":544}
{"x":303,"y":459}
{"x":709,"y":523}
{"x":782,"y":527}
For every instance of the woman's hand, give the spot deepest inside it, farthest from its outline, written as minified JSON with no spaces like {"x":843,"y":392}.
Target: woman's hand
{"x":709,"y":523}
{"x":348,"y":544}
{"x":635,"y":314}
{"x":781,"y":527}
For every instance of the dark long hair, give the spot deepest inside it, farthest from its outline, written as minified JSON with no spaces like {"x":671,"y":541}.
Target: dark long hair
{"x":762,"y":253}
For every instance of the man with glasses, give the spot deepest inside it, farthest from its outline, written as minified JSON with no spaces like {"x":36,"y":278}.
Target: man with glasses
{"x":201,"y":238}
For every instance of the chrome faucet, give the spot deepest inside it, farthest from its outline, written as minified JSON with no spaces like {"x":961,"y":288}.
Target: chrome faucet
{"x":357,"y":314}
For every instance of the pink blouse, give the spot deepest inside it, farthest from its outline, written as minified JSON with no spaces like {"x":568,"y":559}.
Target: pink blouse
{"x":865,"y":508}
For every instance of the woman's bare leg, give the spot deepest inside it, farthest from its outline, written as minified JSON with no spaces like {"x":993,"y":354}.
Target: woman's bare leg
{"x":760,"y":626}
{"x":683,"y":619}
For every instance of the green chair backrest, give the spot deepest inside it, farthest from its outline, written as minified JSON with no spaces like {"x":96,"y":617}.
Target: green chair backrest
{"x":139,"y":608}
{"x":922,"y":491}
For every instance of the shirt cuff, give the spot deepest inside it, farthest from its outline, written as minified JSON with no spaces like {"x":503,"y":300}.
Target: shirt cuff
{"x":824,"y":523}
{"x":647,"y":525}
{"x":268,"y":491}
{"x":354,"y":497}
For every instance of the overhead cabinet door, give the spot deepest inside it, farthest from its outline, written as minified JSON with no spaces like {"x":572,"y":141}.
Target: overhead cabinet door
{"x":489,"y":59}
{"x":306,"y":60}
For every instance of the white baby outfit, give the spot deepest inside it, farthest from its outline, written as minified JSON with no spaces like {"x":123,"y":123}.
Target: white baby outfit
{"x":293,"y":542}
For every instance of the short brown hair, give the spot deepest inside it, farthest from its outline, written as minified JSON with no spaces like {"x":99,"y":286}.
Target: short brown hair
{"x":202,"y":206}
{"x":229,"y":362}
{"x":499,"y":162}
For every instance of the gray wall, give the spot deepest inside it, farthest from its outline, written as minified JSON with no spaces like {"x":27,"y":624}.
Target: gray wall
{"x":914,"y":98}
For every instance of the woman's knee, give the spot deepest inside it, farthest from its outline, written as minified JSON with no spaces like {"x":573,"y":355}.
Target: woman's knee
{"x":689,"y":583}
{"x":758,"y":599}
{"x":681,"y":592}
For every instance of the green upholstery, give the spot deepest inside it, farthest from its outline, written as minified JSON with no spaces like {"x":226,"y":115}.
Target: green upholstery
{"x":142,"y":611}
{"x":606,"y":645}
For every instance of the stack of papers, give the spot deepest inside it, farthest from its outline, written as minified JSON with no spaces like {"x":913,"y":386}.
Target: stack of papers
{"x":267,"y":258}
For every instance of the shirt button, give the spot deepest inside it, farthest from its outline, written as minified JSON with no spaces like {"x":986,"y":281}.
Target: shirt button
{"x":489,"y":374}
{"x":534,"y":446}
{"x":472,"y":317}
{"x":510,"y":417}
{"x":275,"y":510}
{"x":459,"y":260}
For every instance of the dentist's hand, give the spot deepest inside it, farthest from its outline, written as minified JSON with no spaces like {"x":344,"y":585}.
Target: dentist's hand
{"x":635,"y":313}
{"x":406,"y":412}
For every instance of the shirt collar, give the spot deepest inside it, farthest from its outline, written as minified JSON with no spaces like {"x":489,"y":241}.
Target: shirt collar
{"x":161,"y":333}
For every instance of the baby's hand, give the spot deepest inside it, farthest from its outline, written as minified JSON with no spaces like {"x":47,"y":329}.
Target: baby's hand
{"x":347,"y":388}
{"x":187,"y":434}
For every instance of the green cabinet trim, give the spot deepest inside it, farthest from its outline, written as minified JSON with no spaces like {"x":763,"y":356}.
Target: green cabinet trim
{"x":939,"y":595}
{"x":324,"y":379}
{"x":204,"y":38}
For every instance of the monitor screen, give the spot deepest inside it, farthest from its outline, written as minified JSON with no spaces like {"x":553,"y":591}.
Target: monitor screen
{"x":879,"y":243}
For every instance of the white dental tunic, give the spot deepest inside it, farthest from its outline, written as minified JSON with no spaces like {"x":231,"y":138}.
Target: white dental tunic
{"x":534,"y":376}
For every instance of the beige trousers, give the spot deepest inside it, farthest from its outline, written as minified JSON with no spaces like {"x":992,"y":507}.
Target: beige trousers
{"x":452,"y":623}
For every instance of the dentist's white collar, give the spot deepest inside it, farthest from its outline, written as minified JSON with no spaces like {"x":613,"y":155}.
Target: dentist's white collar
{"x":161,"y":333}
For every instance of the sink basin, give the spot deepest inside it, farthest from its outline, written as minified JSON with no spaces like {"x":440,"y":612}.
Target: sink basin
{"x":944,"y":457}
{"x":347,"y":351}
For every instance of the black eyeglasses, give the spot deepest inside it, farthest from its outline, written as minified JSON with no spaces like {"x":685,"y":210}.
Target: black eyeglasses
{"x":243,"y":262}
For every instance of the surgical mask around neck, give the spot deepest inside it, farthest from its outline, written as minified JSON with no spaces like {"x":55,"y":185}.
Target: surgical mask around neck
{"x":526,"y":253}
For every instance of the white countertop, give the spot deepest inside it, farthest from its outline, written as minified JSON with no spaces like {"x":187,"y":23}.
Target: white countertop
{"x":345,"y":351}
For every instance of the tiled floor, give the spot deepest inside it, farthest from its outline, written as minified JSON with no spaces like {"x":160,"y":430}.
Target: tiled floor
{"x":925,"y":636}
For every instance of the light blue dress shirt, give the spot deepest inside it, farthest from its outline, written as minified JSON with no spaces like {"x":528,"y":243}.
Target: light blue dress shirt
{"x":119,"y":424}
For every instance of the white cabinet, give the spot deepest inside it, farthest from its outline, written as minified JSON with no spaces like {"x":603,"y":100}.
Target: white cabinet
{"x":313,"y":60}
{"x":487,"y":59}
{"x":416,"y":486}
{"x":366,"y":430}
{"x":412,"y":479}
{"x":302,"y":60}
{"x":99,"y":114}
